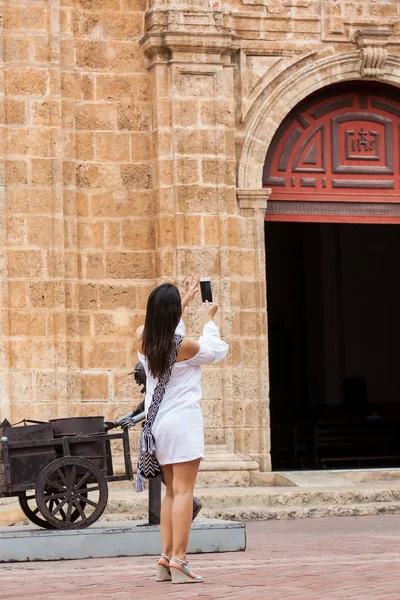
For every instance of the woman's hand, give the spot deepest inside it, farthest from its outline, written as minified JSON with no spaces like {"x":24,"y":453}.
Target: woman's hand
{"x":191,"y":291}
{"x":211,"y":310}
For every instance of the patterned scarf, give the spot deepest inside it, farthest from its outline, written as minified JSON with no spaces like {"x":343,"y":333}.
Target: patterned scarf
{"x":148,"y":466}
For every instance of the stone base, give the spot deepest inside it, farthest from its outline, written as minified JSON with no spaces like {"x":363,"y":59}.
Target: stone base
{"x":119,"y":538}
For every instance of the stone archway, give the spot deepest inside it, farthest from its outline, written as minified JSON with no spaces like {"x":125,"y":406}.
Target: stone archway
{"x":273,"y":104}
{"x":291,"y":87}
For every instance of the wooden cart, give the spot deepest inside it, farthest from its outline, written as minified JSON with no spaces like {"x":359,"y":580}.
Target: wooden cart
{"x":60,"y":470}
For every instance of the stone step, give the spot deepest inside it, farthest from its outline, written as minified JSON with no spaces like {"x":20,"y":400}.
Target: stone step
{"x":126,"y":500}
{"x":257,"y":503}
{"x":256,"y":513}
{"x":269,"y":513}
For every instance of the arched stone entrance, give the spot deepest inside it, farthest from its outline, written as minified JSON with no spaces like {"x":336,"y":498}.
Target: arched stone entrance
{"x":333,"y":331}
{"x":336,"y":158}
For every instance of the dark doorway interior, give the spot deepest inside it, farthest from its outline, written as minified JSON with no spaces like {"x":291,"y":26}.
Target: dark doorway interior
{"x":334,"y":334}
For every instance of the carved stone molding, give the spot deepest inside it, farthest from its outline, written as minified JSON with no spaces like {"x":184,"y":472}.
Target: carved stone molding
{"x":374,"y":54}
{"x":164,"y":47}
{"x":257,"y":199}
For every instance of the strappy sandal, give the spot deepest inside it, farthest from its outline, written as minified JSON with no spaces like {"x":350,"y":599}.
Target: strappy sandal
{"x":163,"y":573}
{"x":185,"y":574}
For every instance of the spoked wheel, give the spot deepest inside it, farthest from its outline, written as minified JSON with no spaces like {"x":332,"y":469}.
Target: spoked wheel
{"x":78,"y":490}
{"x":27,"y":502}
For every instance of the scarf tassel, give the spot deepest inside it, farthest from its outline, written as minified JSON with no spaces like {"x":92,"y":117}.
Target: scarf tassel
{"x":139,"y":483}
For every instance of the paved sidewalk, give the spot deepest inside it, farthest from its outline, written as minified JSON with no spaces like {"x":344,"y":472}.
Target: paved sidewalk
{"x":316,"y":559}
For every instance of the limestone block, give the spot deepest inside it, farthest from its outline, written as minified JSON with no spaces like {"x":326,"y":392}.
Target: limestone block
{"x":16,"y":171}
{"x":137,"y":176}
{"x":138,"y":234}
{"x":129,"y":265}
{"x":112,"y":325}
{"x":40,"y":294}
{"x":21,"y":200}
{"x":117,"y":296}
{"x":88,"y":296}
{"x":15,"y":111}
{"x":186,"y":112}
{"x":41,"y":52}
{"x":99,"y":4}
{"x":245,"y":379}
{"x":187,"y":171}
{"x":77,"y":86}
{"x":165,"y":264}
{"x":242,"y":263}
{"x":211,"y":230}
{"x":134,"y":88}
{"x":213,"y":171}
{"x":74,"y":359}
{"x":188,"y":230}
{"x":214,"y":435}
{"x":16,"y":48}
{"x":134,"y":5}
{"x":34,"y":410}
{"x":143,"y":292}
{"x":95,"y":116}
{"x":112,"y":147}
{"x":25,"y":263}
{"x":133,"y":116}
{"x":32,"y":141}
{"x":18,"y":18}
{"x":40,"y":231}
{"x":20,"y":354}
{"x":250,"y":355}
{"x":27,"y":81}
{"x":126,"y":389}
{"x":82,"y":145}
{"x":124,"y":26}
{"x":43,"y":353}
{"x":42,"y":171}
{"x":46,"y":387}
{"x":104,"y":355}
{"x":94,"y":266}
{"x":95,"y":386}
{"x":16,"y":231}
{"x":21,"y":386}
{"x":141,"y":147}
{"x":249,"y":297}
{"x":91,"y":235}
{"x":212,"y":412}
{"x":113,"y":235}
{"x":25,"y":324}
{"x":201,"y":261}
{"x":17,"y":294}
{"x":166,"y":231}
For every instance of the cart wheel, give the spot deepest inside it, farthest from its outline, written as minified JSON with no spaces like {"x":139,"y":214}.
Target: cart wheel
{"x":78,"y":490}
{"x":29,"y":507}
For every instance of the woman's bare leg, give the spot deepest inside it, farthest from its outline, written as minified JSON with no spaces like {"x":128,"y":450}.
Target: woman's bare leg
{"x":166,"y":514}
{"x":183,"y":482}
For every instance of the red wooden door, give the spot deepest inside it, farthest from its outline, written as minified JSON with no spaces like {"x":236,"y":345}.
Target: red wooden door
{"x":335,"y":158}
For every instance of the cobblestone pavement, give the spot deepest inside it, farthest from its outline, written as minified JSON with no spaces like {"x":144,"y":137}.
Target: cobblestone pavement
{"x":321,"y":559}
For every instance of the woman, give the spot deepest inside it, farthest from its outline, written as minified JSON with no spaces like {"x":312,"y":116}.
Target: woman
{"x":178,"y":428}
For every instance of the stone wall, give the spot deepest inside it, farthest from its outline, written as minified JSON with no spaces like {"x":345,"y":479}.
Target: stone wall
{"x":133,"y":139}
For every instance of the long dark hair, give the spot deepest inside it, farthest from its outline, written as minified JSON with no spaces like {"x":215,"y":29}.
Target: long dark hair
{"x":164,"y":310}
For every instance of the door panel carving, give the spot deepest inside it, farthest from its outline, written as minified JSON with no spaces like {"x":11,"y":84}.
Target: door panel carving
{"x":340,"y":148}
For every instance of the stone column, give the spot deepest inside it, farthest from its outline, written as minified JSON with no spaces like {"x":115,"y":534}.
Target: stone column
{"x":251,"y":340}
{"x":190,"y":58}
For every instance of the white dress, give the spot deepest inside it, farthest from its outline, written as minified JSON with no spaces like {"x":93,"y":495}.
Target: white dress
{"x":178,"y":428}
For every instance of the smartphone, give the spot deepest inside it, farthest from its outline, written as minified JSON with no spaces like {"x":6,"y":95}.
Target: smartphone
{"x":205,"y":288}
